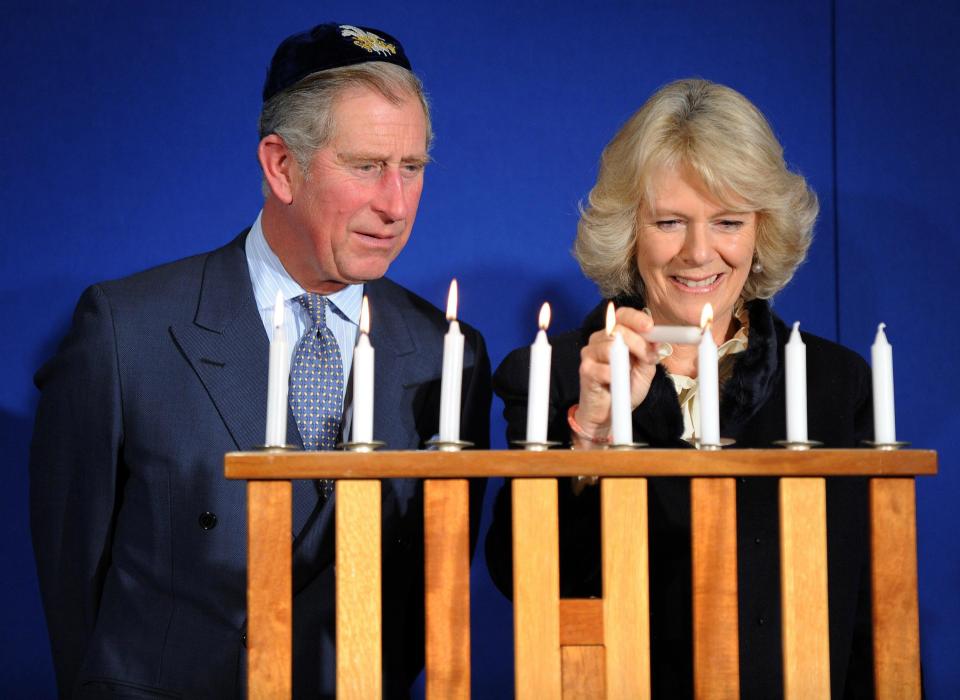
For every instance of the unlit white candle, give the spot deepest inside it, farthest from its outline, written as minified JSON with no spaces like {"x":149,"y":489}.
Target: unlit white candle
{"x":538,"y":395}
{"x":708,"y":391}
{"x":278,"y":378}
{"x":452,"y":374}
{"x":363,"y":380}
{"x":677,"y":335}
{"x":884,"y":422}
{"x":621,"y":421}
{"x":796,"y":371}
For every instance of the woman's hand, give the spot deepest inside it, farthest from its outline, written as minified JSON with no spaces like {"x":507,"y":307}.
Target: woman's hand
{"x":593,"y":413}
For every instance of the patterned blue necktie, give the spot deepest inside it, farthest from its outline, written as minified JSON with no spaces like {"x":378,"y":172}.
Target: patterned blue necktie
{"x":316,"y":384}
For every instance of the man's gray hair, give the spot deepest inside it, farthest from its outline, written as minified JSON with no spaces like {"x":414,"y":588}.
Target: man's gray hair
{"x":302,"y":115}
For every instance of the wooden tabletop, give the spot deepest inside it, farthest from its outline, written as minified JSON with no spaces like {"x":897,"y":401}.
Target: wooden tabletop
{"x":284,"y":464}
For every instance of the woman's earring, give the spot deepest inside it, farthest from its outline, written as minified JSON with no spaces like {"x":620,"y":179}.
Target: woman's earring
{"x":757,"y":267}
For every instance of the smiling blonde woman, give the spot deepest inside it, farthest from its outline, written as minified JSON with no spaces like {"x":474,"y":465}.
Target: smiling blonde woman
{"x":694,"y":204}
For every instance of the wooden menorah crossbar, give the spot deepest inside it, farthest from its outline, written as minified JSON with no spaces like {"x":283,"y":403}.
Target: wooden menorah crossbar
{"x":596,"y":647}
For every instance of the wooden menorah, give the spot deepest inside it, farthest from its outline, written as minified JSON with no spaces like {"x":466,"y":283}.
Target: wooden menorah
{"x":596,"y":647}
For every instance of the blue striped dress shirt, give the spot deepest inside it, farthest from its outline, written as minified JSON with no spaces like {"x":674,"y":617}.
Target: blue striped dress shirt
{"x":268,"y":275}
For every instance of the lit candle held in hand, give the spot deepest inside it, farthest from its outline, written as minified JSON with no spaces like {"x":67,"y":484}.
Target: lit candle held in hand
{"x":621,"y":420}
{"x":452,"y":374}
{"x":675,"y":335}
{"x":708,"y":391}
{"x":538,"y":396}
{"x":363,"y":380}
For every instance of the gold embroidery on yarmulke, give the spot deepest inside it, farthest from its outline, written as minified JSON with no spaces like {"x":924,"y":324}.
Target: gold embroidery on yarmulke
{"x":368,"y":41}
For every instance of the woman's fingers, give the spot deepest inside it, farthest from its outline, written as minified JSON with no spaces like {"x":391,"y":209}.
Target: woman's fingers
{"x":593,"y":413}
{"x":640,"y":350}
{"x":641,"y":376}
{"x":630,"y":324}
{"x":635,"y":320}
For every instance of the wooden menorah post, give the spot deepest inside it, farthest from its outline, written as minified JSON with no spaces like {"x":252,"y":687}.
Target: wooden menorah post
{"x":597,"y":647}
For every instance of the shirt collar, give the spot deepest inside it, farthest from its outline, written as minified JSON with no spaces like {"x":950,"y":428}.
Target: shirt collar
{"x":738,"y":343}
{"x":269,"y":275}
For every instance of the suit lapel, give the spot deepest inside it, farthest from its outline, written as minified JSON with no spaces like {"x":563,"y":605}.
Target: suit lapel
{"x":227,"y":347}
{"x":393,"y":420}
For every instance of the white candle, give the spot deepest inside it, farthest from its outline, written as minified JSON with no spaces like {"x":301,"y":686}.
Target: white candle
{"x":452,"y":375}
{"x":881,"y":355}
{"x":363,"y":380}
{"x":278,"y":378}
{"x":621,"y":420}
{"x":708,"y":391}
{"x":678,"y":335}
{"x":538,"y":395}
{"x":796,"y":371}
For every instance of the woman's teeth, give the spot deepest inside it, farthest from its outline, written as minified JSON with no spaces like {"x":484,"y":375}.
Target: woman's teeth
{"x":697,"y":283}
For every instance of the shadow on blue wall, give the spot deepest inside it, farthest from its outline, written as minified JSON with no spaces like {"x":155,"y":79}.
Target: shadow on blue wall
{"x":25,"y":664}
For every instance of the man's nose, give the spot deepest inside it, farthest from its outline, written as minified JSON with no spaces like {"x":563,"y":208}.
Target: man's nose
{"x":390,"y":200}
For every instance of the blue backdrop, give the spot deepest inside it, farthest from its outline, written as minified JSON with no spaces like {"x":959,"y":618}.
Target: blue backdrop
{"x":128,"y":138}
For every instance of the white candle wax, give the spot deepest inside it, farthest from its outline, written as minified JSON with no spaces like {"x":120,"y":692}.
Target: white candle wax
{"x":538,"y":396}
{"x":678,"y":335}
{"x":278,"y":378}
{"x":363,"y":381}
{"x":796,"y":371}
{"x":452,"y":373}
{"x":884,"y":423}
{"x":450,"y":384}
{"x":708,"y":390}
{"x":621,"y":420}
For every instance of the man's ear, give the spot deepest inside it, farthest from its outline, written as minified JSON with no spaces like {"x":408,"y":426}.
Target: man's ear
{"x":279,"y":167}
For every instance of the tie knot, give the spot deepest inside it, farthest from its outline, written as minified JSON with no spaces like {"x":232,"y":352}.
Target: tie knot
{"x":316,"y":306}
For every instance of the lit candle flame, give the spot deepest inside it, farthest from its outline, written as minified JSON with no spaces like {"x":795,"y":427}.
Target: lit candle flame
{"x":611,"y":318}
{"x":365,"y":316}
{"x":544,"y":316}
{"x":706,"y":316}
{"x":452,"y":301}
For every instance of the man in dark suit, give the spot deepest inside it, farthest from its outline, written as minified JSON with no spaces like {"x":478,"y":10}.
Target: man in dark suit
{"x":140,"y":540}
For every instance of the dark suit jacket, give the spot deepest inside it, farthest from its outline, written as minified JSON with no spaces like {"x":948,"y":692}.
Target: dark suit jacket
{"x":752,"y":410}
{"x":140,"y":541}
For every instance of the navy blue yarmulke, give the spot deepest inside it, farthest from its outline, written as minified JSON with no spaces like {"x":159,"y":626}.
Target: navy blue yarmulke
{"x":329,"y":46}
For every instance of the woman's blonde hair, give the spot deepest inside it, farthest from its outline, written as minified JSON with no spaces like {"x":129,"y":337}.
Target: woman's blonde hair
{"x":724,"y":139}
